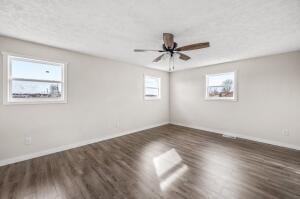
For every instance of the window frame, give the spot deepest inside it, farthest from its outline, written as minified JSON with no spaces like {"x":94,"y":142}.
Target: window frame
{"x":159,"y":88}
{"x":234,"y":98}
{"x":7,"y":80}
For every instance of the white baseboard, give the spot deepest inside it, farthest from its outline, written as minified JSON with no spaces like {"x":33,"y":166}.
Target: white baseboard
{"x":71,"y":146}
{"x":239,"y":136}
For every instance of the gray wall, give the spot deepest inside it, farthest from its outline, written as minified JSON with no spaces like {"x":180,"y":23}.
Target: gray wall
{"x":105,"y":98}
{"x":268,"y":100}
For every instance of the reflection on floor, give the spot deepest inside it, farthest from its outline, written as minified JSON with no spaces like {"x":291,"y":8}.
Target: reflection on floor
{"x":169,"y":167}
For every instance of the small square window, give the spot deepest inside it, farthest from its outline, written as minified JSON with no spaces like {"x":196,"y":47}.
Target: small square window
{"x":30,"y":81}
{"x":152,"y":87}
{"x":221,"y":86}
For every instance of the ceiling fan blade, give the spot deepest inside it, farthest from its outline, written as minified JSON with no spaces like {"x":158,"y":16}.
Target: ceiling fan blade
{"x":157,"y":59}
{"x":168,"y":40}
{"x":193,"y":47}
{"x":147,"y":50}
{"x":183,"y":56}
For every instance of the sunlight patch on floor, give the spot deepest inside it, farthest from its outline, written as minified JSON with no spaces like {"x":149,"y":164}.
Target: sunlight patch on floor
{"x":169,"y":167}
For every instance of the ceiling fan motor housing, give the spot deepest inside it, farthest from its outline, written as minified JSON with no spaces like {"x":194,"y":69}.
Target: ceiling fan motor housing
{"x":171,"y":50}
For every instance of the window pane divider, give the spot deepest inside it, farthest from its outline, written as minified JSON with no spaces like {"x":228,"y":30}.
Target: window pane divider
{"x":35,"y":80}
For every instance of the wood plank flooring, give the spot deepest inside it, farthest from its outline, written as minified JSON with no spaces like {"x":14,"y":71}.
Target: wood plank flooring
{"x":164,"y":162}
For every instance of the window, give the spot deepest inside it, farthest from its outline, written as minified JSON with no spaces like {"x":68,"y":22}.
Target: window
{"x":29,"y":80}
{"x":221,"y":86}
{"x":152,"y":87}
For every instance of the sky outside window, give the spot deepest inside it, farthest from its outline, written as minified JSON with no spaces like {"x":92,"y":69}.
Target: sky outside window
{"x":27,"y":69}
{"x":217,"y":80}
{"x":32,"y":70}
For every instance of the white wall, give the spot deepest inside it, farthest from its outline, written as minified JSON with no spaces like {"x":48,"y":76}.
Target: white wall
{"x":105,"y":98}
{"x":268,"y":100}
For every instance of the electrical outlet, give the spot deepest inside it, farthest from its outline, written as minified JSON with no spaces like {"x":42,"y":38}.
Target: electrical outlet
{"x":286,"y":132}
{"x":28,"y":140}
{"x":117,"y":124}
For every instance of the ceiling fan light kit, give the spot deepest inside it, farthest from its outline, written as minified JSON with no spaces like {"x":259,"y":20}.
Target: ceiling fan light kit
{"x":169,"y":47}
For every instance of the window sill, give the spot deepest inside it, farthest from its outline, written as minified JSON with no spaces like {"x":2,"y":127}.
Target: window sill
{"x":35,"y":102}
{"x":221,"y":99}
{"x":151,"y":98}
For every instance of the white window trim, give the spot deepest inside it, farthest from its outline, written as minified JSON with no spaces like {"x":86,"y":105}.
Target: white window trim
{"x":159,"y":88}
{"x":234,"y":98}
{"x":7,"y":100}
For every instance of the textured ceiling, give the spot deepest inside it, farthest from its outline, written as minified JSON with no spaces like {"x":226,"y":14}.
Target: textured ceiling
{"x":236,"y":29}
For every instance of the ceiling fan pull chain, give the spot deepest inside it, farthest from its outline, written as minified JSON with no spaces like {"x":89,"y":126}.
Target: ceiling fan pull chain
{"x":170,"y":67}
{"x":173,"y":62}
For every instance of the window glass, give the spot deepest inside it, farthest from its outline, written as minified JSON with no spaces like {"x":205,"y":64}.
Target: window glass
{"x":32,"y":89}
{"x":152,"y":87}
{"x":152,"y":92}
{"x":26,"y":69}
{"x":31,"y":81}
{"x":220,"y":86}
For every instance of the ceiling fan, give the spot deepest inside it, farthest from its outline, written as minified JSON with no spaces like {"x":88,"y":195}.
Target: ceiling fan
{"x":170,"y":48}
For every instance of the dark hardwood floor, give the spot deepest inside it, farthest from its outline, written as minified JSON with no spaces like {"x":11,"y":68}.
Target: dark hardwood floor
{"x":164,"y":162}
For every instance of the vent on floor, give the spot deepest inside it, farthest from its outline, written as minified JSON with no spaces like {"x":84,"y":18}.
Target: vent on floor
{"x":229,"y":136}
